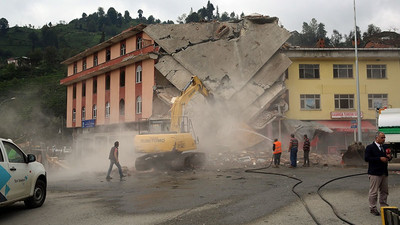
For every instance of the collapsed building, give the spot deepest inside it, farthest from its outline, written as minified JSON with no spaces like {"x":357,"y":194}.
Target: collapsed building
{"x":240,"y":62}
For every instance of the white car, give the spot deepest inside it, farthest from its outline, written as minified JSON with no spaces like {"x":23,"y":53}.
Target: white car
{"x":21,"y":177}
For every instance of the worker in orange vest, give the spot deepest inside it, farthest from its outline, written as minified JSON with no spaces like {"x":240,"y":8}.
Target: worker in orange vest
{"x":277,"y":149}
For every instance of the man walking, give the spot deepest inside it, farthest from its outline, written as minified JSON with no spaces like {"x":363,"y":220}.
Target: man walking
{"x":113,"y":156}
{"x":293,"y":148}
{"x":377,"y":159}
{"x":277,"y":150}
{"x":306,"y":149}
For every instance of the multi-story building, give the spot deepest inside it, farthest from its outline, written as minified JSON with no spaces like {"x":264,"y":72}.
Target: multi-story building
{"x":108,"y":85}
{"x":111,"y":87}
{"x":322,"y":88}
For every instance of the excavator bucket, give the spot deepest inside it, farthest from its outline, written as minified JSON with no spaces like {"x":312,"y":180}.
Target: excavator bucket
{"x":354,"y":156}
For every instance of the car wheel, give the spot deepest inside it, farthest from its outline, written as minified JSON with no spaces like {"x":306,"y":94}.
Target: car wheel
{"x":39,"y":195}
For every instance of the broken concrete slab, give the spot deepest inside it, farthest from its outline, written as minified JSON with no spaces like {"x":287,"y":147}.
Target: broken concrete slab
{"x":174,"y":71}
{"x":237,"y":59}
{"x":270,"y":73}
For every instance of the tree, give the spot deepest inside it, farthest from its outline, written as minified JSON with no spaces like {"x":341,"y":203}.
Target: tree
{"x":210,"y":11}
{"x":100,"y":12}
{"x":224,"y":16}
{"x":151,"y":19}
{"x":181,"y":19}
{"x":194,"y":17}
{"x":321,"y":32}
{"x":232,"y":15}
{"x":349,"y":40}
{"x":34,"y":39}
{"x":202,"y":13}
{"x":127,"y":16}
{"x":3,"y":25}
{"x":312,"y":32}
{"x":112,"y":15}
{"x":372,"y":30}
{"x":336,"y":38}
{"x":140,"y":12}
{"x":217,"y":16}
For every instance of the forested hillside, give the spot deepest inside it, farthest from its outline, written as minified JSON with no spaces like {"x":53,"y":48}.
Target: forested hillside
{"x":33,"y":103}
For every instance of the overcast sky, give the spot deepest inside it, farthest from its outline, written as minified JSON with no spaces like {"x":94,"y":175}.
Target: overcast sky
{"x":335,"y":14}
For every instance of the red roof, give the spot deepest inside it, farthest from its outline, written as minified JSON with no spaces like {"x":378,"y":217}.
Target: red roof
{"x":345,"y":125}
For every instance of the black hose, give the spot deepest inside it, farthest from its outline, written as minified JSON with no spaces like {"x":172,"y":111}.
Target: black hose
{"x":333,"y":208}
{"x":257,"y":170}
{"x":294,"y":178}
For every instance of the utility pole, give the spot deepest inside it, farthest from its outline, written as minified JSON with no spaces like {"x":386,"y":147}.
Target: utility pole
{"x":357,"y":78}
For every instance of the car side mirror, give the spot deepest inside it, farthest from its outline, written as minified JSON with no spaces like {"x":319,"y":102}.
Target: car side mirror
{"x":31,"y":158}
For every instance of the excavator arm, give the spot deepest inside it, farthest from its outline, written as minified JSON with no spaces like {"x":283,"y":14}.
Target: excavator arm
{"x":194,"y":85}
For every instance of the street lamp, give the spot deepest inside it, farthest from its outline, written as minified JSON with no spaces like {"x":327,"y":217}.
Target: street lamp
{"x":6,"y":100}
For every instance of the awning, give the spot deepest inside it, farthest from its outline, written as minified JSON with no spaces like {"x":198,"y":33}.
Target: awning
{"x":347,"y":125}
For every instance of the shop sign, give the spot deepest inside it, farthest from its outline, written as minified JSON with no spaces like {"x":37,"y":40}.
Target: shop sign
{"x":88,"y":123}
{"x":344,"y":115}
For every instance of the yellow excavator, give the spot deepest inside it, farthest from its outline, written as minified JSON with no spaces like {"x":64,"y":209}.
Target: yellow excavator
{"x":165,"y":142}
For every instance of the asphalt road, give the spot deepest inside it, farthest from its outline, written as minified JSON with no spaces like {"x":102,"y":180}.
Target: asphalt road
{"x":230,"y":196}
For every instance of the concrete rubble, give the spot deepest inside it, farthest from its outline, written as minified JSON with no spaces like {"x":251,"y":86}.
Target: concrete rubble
{"x":258,"y":159}
{"x":238,"y":61}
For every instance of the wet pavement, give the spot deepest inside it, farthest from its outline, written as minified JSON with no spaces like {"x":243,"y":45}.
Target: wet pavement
{"x":206,"y":196}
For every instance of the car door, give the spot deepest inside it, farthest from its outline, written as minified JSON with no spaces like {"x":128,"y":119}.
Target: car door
{"x":19,"y":183}
{"x":4,"y":177}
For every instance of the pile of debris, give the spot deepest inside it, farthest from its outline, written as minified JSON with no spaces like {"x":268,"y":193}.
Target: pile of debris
{"x":258,"y":159}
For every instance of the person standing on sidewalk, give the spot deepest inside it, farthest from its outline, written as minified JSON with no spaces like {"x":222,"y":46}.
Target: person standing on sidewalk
{"x":113,"y":157}
{"x":377,"y":158}
{"x":306,"y":149}
{"x":277,"y":149}
{"x":293,"y":148}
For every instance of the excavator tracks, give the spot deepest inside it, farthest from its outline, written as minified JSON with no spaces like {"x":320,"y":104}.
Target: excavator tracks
{"x":170,"y":161}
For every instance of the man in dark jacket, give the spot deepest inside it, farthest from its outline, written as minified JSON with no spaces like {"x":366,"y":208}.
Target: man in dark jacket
{"x":375,"y":155}
{"x":113,"y":157}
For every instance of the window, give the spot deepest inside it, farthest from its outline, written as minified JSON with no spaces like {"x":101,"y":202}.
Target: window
{"x":1,"y":157}
{"x":310,"y":102}
{"x":123,"y":48}
{"x":376,"y":71}
{"x":14,"y":154}
{"x":139,"y":74}
{"x":95,"y":59}
{"x":377,"y":100}
{"x":74,"y":92}
{"x":138,"y":105}
{"x":344,"y":101}
{"x":94,"y":86}
{"x":122,"y":78}
{"x":84,"y":65}
{"x":83,"y":89}
{"x":107,"y":110}
{"x":342,"y":71}
{"x":83,"y":113}
{"x":73,"y":115}
{"x":94,"y":111}
{"x":121,"y":107}
{"x":309,"y":71}
{"x":108,"y":54}
{"x":108,"y":82}
{"x":75,"y":67}
{"x":139,"y":43}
